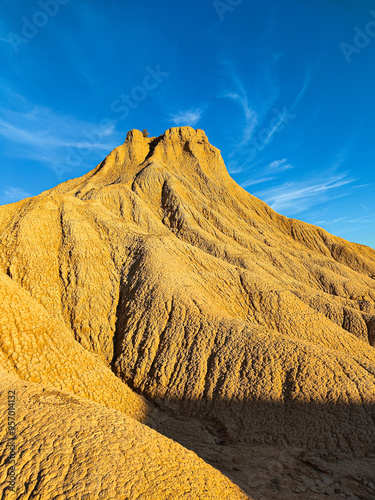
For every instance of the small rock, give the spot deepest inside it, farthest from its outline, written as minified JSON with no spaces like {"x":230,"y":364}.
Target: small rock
{"x":307,"y":480}
{"x":327,"y":480}
{"x":299,"y":489}
{"x":330,"y":491}
{"x":275,"y":482}
{"x":316,"y":489}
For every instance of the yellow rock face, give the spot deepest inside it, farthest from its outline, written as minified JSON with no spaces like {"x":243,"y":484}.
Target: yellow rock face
{"x":155,"y":285}
{"x":69,"y":448}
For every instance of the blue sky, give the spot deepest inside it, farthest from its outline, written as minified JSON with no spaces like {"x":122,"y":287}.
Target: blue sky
{"x":284,"y":88}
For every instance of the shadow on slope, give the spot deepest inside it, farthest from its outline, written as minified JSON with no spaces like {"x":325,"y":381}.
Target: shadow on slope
{"x":288,"y":448}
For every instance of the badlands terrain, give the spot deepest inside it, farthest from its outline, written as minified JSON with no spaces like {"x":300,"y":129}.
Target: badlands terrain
{"x":164,"y":334}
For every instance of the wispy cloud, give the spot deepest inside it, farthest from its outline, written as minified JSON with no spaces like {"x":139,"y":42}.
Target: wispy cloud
{"x":361,"y":186}
{"x":366,"y":219}
{"x":333,"y":221}
{"x":238,"y":94}
{"x":188,"y":117}
{"x":251,"y":117}
{"x":299,"y":196}
{"x":12,"y":194}
{"x":306,"y":83}
{"x":262,"y":119}
{"x":270,"y":132}
{"x":279,"y":165}
{"x":361,"y":220}
{"x":47,"y":136}
{"x":41,"y":127}
{"x":255,"y":181}
{"x":260,"y":174}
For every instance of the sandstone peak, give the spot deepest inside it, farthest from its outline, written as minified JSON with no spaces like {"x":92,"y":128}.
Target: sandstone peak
{"x":135,"y":135}
{"x":185,"y":133}
{"x":180,"y":151}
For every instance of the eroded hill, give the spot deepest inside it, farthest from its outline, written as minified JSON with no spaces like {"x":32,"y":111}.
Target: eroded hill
{"x":156,"y":286}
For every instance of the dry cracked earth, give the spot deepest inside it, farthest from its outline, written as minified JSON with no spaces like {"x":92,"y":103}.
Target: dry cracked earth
{"x":164,"y":334}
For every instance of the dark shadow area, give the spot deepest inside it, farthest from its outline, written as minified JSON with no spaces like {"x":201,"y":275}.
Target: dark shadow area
{"x":279,"y":449}
{"x":152,"y":146}
{"x":126,"y":293}
{"x":370,"y":322}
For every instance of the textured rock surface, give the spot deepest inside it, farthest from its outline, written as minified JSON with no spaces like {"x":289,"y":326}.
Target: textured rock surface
{"x":39,"y":348}
{"x":158,"y":268}
{"x":69,"y":448}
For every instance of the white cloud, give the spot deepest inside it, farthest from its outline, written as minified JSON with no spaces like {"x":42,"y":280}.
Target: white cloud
{"x":239,"y":96}
{"x":253,"y":182}
{"x":189,"y":117}
{"x":43,"y":128}
{"x":362,"y":220}
{"x":268,"y":173}
{"x":243,"y":154}
{"x":306,"y":83}
{"x":333,"y":221}
{"x":279,"y":165}
{"x":58,"y":141}
{"x":251,"y":117}
{"x":298,"y":196}
{"x":367,"y":219}
{"x":282,"y":120}
{"x":12,"y":194}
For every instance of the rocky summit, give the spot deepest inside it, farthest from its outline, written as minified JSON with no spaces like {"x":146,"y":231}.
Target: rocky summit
{"x":165,"y":335}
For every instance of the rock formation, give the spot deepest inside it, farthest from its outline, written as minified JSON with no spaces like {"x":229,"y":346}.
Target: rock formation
{"x":155,"y":292}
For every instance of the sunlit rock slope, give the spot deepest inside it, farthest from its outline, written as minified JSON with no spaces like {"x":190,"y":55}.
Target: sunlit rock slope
{"x":154,"y":284}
